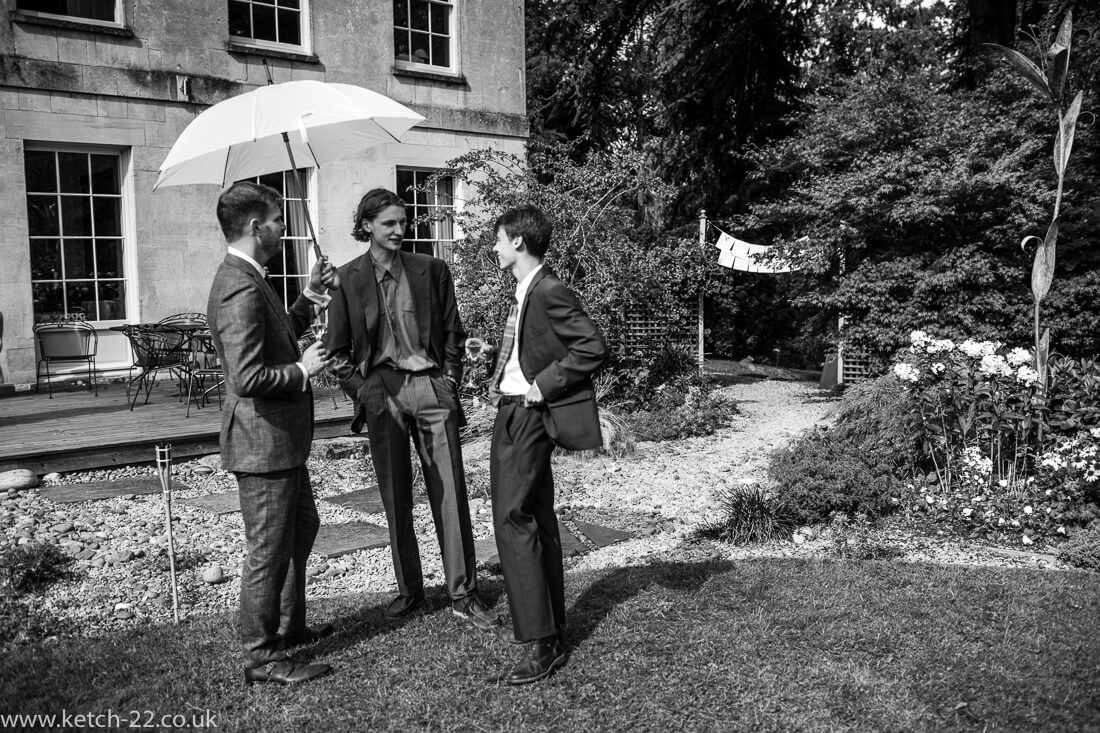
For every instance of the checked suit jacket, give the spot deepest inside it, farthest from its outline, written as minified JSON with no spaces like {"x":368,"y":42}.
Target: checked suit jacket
{"x":267,"y":419}
{"x":355,"y":312}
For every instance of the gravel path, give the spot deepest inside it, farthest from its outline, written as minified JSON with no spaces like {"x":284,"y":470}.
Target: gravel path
{"x":659,"y":495}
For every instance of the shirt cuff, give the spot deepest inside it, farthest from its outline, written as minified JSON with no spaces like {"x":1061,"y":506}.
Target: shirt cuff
{"x":321,"y":299}
{"x":305,"y":373}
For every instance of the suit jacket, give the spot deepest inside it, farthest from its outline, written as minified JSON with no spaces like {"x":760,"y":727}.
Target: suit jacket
{"x":354,"y":313}
{"x":267,"y":420}
{"x":560,"y":349}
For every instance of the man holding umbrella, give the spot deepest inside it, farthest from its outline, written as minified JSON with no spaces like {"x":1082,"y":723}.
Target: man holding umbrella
{"x":267,"y":429}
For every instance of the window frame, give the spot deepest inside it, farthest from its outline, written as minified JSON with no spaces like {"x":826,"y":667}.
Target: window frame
{"x":441,"y":248}
{"x":127,"y":228}
{"x":119,"y":22}
{"x":455,"y":68}
{"x":305,"y":29}
{"x":279,"y":279}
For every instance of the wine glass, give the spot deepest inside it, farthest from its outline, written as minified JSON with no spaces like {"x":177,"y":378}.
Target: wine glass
{"x":474,"y":342}
{"x":319,"y":326}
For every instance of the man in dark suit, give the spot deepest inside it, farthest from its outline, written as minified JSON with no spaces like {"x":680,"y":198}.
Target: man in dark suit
{"x":397,"y":342}
{"x":542,"y":383}
{"x":267,"y":429}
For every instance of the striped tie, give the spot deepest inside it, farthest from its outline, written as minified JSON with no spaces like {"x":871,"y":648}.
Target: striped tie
{"x":506,"y":344}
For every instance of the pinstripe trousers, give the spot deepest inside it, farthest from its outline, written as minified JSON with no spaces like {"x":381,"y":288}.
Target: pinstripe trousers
{"x":400,"y":405}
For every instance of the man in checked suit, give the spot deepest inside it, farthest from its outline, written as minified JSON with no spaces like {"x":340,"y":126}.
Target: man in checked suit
{"x":397,"y":343}
{"x":267,"y":429}
{"x":542,"y":383}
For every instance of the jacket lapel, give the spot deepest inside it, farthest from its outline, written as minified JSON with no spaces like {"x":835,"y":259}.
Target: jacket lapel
{"x":363,"y":282}
{"x":420,"y":285}
{"x":527,"y":298}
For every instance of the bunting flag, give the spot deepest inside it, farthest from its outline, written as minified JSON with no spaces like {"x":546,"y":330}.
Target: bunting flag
{"x":738,"y":255}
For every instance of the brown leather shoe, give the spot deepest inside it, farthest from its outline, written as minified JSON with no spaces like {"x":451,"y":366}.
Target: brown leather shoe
{"x":310,"y":635}
{"x":285,"y":672}
{"x":404,"y":605}
{"x":473,"y":610}
{"x":543,"y":657}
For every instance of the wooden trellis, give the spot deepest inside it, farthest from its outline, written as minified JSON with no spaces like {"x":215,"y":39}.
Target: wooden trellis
{"x":647,"y":331}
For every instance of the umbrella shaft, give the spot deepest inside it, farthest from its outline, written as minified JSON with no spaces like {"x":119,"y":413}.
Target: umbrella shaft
{"x":302,"y":193}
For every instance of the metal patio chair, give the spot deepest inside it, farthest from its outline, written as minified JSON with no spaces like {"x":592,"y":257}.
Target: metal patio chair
{"x":65,"y":342}
{"x":157,"y":348}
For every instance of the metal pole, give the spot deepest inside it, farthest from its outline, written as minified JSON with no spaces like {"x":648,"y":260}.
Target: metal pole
{"x":298,"y":177}
{"x":702,"y":244}
{"x":164,"y":469}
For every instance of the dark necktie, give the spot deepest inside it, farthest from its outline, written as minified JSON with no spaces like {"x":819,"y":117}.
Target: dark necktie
{"x":506,"y":344}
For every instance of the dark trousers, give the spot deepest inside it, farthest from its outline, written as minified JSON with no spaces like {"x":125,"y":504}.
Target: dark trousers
{"x":528,"y":540}
{"x":280,"y":524}
{"x":425,"y":408}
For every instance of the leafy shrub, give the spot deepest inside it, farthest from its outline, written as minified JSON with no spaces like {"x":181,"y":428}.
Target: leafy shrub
{"x":1083,"y":548}
{"x":825,"y":471}
{"x":856,"y":464}
{"x":749,"y":515}
{"x":35,"y":565}
{"x":674,"y":415}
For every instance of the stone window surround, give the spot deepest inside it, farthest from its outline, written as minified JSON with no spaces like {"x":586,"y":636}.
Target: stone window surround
{"x":445,"y":74}
{"x":78,"y":24}
{"x":303,"y":52}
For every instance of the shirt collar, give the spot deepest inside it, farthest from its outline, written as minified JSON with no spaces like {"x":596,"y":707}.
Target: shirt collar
{"x":237,"y":253}
{"x":523,"y":285}
{"x":395,"y":269}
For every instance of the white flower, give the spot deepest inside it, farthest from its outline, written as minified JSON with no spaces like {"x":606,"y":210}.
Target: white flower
{"x":938,"y":368}
{"x":918,"y":339}
{"x":1019,"y":357}
{"x":994,"y":365}
{"x":1027,"y":375}
{"x":1028,"y":509}
{"x":797,"y":538}
{"x":906,"y":373}
{"x":1026,"y":540}
{"x":971,"y":348}
{"x":1061,"y":530}
{"x":937,"y":345}
{"x":967,"y":511}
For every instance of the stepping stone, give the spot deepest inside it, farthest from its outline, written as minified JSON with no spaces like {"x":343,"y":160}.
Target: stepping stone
{"x":368,"y":501}
{"x":19,"y":478}
{"x":226,"y":502}
{"x":96,"y":490}
{"x":601,"y":536}
{"x":334,"y":540}
{"x":487,"y":549}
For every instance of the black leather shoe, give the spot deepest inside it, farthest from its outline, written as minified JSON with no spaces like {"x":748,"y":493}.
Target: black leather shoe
{"x":404,"y":605}
{"x":543,"y":657}
{"x":311,"y":635}
{"x":285,"y":672}
{"x":473,"y":610}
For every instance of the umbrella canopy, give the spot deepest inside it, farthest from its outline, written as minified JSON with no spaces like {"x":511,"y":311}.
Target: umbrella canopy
{"x":243,"y":136}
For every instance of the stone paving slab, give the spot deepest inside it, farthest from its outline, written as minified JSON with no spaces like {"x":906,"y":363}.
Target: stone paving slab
{"x":226,"y":502}
{"x":334,"y":540}
{"x":368,"y":500}
{"x":601,"y":536}
{"x":109,"y":489}
{"x":487,"y":549}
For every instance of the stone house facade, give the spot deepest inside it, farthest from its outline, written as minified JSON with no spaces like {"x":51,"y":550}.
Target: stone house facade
{"x":94,"y":92}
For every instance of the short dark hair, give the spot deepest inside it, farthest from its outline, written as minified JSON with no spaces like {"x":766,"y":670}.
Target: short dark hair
{"x":371,"y":205}
{"x":530,"y":223}
{"x":242,"y":202}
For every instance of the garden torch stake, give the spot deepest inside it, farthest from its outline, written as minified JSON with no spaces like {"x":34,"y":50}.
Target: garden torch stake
{"x":164,"y":468}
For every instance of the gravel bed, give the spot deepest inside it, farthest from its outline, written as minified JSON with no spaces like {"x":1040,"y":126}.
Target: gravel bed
{"x":660,"y":495}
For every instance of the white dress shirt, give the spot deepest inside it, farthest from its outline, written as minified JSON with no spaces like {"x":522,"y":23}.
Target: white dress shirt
{"x":513,"y":382}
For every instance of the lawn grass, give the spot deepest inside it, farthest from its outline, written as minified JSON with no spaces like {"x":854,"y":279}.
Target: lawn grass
{"x":761,"y":645}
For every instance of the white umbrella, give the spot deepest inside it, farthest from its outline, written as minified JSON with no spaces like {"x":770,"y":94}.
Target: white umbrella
{"x":269,"y":128}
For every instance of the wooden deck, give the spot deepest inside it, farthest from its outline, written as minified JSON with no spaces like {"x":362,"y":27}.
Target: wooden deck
{"x":77,"y":430}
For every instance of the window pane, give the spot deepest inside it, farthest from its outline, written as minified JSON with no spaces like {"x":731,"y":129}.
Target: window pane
{"x":78,"y":259}
{"x":420,"y":45}
{"x":108,"y":216}
{"x":401,"y":13}
{"x":289,"y":27}
{"x":401,"y":45}
{"x":275,"y":180}
{"x":290,"y":4}
{"x":45,"y":259}
{"x":42,"y":219}
{"x":74,"y":172}
{"x":108,"y":257}
{"x":440,"y":16}
{"x":112,"y":300}
{"x":405,"y":181}
{"x":93,"y":9}
{"x":105,"y":174}
{"x":419,"y":15}
{"x":80,"y":298}
{"x":48,"y":301}
{"x":41,"y":171}
{"x":240,"y":23}
{"x":263,"y":22}
{"x":76,"y":216}
{"x":441,"y":51}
